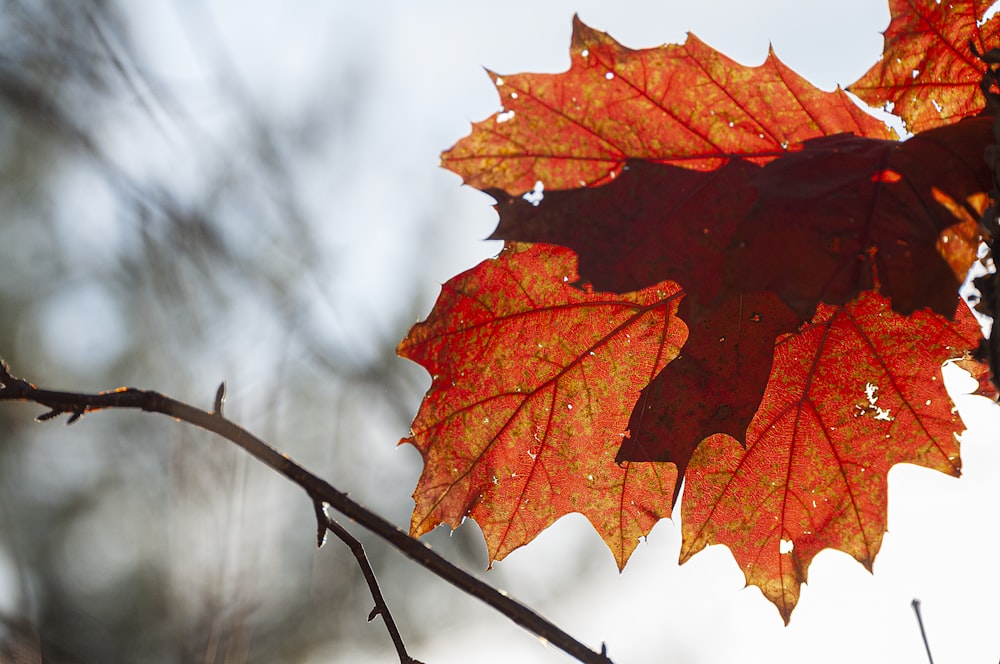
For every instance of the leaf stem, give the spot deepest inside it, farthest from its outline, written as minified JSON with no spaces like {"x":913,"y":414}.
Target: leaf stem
{"x":318,"y":490}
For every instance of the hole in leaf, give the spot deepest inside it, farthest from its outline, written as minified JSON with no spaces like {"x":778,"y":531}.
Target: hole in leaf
{"x":536,"y":195}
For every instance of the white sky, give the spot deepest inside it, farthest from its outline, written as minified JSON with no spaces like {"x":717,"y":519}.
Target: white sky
{"x":426,"y":63}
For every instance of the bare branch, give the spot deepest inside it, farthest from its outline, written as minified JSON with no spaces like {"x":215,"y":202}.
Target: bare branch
{"x":318,"y":490}
{"x":324,"y":523}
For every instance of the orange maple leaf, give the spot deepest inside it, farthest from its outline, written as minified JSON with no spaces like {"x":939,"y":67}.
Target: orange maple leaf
{"x":854,"y":392}
{"x":928,"y":72}
{"x":687,"y":105}
{"x":533,"y":383}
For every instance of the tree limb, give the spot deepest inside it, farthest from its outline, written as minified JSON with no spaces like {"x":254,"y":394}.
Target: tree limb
{"x":318,"y":490}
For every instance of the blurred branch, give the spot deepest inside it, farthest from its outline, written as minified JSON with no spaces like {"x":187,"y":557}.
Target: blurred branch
{"x":920,"y":621}
{"x":319,"y":491}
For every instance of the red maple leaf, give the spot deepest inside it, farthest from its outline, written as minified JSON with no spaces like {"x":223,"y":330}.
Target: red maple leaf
{"x":855,"y":391}
{"x":853,"y":214}
{"x":830,"y":202}
{"x":928,"y":72}
{"x":687,"y":105}
{"x":813,"y":261}
{"x":533,"y":383}
{"x":715,"y":386}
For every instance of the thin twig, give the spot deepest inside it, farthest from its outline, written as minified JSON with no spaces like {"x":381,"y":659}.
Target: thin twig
{"x":77,"y":404}
{"x":324,"y":523}
{"x":920,"y":621}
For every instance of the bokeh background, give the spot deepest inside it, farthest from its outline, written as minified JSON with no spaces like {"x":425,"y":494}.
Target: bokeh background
{"x":193,"y":192}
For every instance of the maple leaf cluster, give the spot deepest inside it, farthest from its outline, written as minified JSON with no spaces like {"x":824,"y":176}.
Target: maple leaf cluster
{"x":714,"y":273}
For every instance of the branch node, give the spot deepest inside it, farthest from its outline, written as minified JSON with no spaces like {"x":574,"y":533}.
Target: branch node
{"x":56,"y":411}
{"x":45,"y":417}
{"x":374,"y":613}
{"x":220,"y":399}
{"x":322,"y":521}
